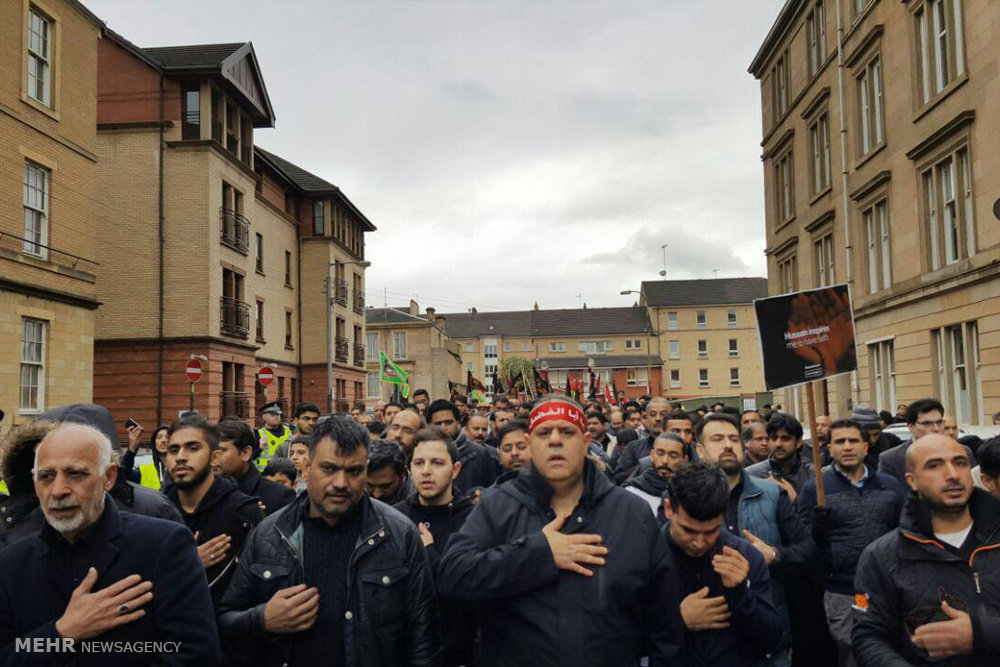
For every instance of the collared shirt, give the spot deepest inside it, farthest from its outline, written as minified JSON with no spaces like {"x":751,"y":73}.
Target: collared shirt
{"x":732,"y":516}
{"x":858,"y":484}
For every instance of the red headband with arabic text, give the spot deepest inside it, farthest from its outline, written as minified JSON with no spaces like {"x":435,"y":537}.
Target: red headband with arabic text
{"x":556,"y":410}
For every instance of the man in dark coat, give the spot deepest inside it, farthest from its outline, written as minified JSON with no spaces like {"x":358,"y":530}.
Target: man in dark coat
{"x":571,"y":570}
{"x":724,"y":581}
{"x":214,"y":509}
{"x":668,"y":453}
{"x":785,"y":463}
{"x":479,"y":467}
{"x":439,"y":512}
{"x":627,"y":457}
{"x":924,"y":416}
{"x":335,"y":576}
{"x":233,"y":458}
{"x":94,"y":573}
{"x":927,"y":593}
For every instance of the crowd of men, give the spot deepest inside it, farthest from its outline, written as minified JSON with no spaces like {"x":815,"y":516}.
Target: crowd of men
{"x":453,"y":533}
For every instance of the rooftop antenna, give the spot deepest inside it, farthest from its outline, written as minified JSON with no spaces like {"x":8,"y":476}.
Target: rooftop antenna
{"x":716,"y":272}
{"x":579,"y":298}
{"x":663,"y":273}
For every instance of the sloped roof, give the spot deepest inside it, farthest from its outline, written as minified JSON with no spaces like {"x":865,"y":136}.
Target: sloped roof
{"x":391,"y":316}
{"x":503,"y":323}
{"x":602,"y":361}
{"x":709,"y":292}
{"x":540,"y":323}
{"x":193,"y":56}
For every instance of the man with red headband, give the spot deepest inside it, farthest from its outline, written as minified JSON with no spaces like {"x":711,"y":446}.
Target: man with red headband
{"x":573,"y":569}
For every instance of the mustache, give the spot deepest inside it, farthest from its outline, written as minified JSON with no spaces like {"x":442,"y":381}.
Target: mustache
{"x":954,"y":486}
{"x":62,"y":504}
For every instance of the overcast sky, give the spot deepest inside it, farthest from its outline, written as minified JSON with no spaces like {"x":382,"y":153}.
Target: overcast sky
{"x":512,"y":152}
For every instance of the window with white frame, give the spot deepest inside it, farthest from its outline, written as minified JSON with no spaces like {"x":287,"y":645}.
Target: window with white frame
{"x":469,"y":347}
{"x":788,"y":273}
{"x":702,"y":377}
{"x":371,"y":346}
{"x":876,"y":225}
{"x":469,"y":366}
{"x":784,"y":187}
{"x":637,"y":377}
{"x":819,"y":142}
{"x":32,"y":365}
{"x":595,"y":346}
{"x":947,"y":192}
{"x":374,"y":385}
{"x":882,"y":368}
{"x":823,"y":261}
{"x":399,"y":345}
{"x":490,"y":350}
{"x":734,"y":347}
{"x":731,"y":319}
{"x":734,"y":377}
{"x":675,"y":349}
{"x":36,"y":210}
{"x":701,"y":319}
{"x":525,"y":347}
{"x":672,"y":320}
{"x":958,"y":374}
{"x":557,"y":347}
{"x":780,"y":87}
{"x":675,"y":378}
{"x":702,"y":348}
{"x":816,"y":36}
{"x":871,"y":133}
{"x":507,"y":347}
{"x":319,"y":224}
{"x":39,"y":57}
{"x":633,"y":344}
{"x":940,"y":46}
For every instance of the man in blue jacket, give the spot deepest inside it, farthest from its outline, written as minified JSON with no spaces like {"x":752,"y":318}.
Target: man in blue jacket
{"x":94,"y":573}
{"x":572,"y":570}
{"x":861,"y":506}
{"x":726,"y":607}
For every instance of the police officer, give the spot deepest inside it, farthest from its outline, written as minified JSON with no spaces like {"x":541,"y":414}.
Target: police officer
{"x":272,"y":434}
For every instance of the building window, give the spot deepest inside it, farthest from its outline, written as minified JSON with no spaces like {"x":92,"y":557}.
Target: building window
{"x":731,"y":319}
{"x":859,"y":7}
{"x":490,"y":350}
{"x":672,"y":321}
{"x":374,"y":385}
{"x":633,"y":344}
{"x":260,"y":322}
{"x":702,"y":348}
{"x":39,"y":57}
{"x":371,"y":346}
{"x":36,"y":210}
{"x":469,"y":347}
{"x":948,"y":207}
{"x":876,"y":220}
{"x":506,"y":347}
{"x":636,"y":377}
{"x":594,"y":346}
{"x":675,"y":349}
{"x":788,"y":272}
{"x":525,"y":347}
{"x":675,"y":378}
{"x":557,"y":347}
{"x":399,"y":345}
{"x":260,"y":253}
{"x":823,"y":261}
{"x":819,"y":141}
{"x":870,"y":115}
{"x":734,"y":377}
{"x":779,"y":76}
{"x":319,"y":223}
{"x":469,"y":366}
{"x":816,"y":37}
{"x":288,"y":268}
{"x":734,"y":347}
{"x":956,"y":361}
{"x":882,"y":367}
{"x":702,"y":377}
{"x":288,"y":330}
{"x":701,"y":319}
{"x":32,"y":365}
{"x":940,"y":47}
{"x":191,"y":120}
{"x":784,"y":187}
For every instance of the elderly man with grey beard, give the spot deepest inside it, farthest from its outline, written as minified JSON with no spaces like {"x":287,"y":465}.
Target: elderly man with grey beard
{"x":96,"y":586}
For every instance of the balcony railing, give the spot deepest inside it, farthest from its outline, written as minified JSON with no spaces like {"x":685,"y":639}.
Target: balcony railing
{"x":359,"y":355}
{"x":359,"y":302}
{"x":235,"y":317}
{"x":234,"y":404}
{"x":343,"y":346}
{"x":47,"y":253}
{"x":340,"y":291}
{"x":235,"y":230}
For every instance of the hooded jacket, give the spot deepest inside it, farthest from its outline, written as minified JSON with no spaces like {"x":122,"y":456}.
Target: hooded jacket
{"x":903,"y":575}
{"x":536,"y":614}
{"x":458,"y":618}
{"x":274,"y":496}
{"x":800,"y":472}
{"x":225,"y":510}
{"x":479,"y":469}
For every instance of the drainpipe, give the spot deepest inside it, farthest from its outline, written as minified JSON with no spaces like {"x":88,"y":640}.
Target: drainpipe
{"x":159,"y":362}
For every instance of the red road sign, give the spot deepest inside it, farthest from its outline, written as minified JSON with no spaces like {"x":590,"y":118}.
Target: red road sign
{"x":265,"y":376}
{"x":193,"y":370}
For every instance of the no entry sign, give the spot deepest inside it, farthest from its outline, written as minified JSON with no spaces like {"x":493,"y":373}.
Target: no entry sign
{"x":193,"y":370}
{"x":265,"y":376}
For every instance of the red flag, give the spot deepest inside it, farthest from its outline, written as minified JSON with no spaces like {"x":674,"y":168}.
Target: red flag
{"x":608,"y":397}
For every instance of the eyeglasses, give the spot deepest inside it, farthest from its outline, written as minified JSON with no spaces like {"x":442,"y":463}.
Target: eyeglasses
{"x":927,"y":424}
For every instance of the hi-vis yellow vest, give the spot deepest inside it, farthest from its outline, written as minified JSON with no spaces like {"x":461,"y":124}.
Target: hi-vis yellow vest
{"x":150,"y":476}
{"x":271,"y":443}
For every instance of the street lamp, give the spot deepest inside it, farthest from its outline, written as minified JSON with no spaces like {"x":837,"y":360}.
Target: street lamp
{"x":329,"y":328}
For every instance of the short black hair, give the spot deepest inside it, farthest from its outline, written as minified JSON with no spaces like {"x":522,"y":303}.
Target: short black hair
{"x":303,"y":408}
{"x":281,"y":466}
{"x":501,"y":399}
{"x":989,"y":457}
{"x":194,"y":420}
{"x":441,"y":405}
{"x":746,"y":435}
{"x":422,"y":392}
{"x":599,"y":416}
{"x":512,"y":426}
{"x":459,"y":398}
{"x":701,"y":489}
{"x":382,"y":453}
{"x":375,"y":427}
{"x":239,"y":433}
{"x":783,"y":420}
{"x":394,"y":403}
{"x":436,"y":434}
{"x":632,"y":411}
{"x":849,"y":423}
{"x":714,"y":417}
{"x":921,"y":406}
{"x":677,"y":415}
{"x":746,"y":412}
{"x":346,"y":433}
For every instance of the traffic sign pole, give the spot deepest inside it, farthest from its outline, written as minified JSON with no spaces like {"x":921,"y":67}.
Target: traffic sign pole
{"x":193,"y":372}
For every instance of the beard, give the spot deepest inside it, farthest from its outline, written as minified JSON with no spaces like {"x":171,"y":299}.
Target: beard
{"x":198,"y":477}
{"x":86,"y":513}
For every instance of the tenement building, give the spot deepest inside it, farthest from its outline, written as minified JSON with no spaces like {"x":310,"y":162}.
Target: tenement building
{"x":212,"y":248}
{"x":895,"y":195}
{"x":48,"y":205}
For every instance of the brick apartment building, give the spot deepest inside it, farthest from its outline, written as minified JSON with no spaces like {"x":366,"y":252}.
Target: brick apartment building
{"x":48,"y":205}
{"x":213,"y":247}
{"x":907,"y":219}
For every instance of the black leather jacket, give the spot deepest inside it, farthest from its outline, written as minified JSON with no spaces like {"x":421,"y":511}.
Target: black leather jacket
{"x":394,"y":619}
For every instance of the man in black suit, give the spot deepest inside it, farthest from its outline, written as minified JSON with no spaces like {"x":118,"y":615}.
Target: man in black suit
{"x":94,"y":573}
{"x":236,"y":444}
{"x":924,"y":416}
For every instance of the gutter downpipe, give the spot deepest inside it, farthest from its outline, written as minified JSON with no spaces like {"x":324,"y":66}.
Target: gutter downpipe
{"x":159,"y":362}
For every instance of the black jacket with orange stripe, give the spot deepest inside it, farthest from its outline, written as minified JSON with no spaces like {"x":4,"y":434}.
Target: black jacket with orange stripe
{"x":903,"y":576}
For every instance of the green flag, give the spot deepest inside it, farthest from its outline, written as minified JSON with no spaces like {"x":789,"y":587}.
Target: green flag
{"x":392,"y":373}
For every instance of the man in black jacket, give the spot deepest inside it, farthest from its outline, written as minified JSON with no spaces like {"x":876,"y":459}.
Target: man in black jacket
{"x":785,"y":464}
{"x":726,"y":588}
{"x":217,"y":512}
{"x":928,"y":591}
{"x":924,"y":416}
{"x":438,"y":513}
{"x":233,"y":458}
{"x":627,"y":459}
{"x":479,"y":469}
{"x":861,"y":506}
{"x":335,"y":574}
{"x":572,"y":570}
{"x":668,"y":453}
{"x":95,"y":573}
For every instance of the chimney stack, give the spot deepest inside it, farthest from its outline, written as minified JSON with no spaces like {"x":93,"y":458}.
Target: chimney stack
{"x":475,"y":313}
{"x":414,"y":308}
{"x":430,"y":314}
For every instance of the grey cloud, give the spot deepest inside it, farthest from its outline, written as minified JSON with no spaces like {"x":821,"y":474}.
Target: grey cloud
{"x":470,"y":91}
{"x":688,"y":255}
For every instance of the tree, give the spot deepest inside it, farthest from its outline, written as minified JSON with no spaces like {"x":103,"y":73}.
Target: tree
{"x":513,"y":367}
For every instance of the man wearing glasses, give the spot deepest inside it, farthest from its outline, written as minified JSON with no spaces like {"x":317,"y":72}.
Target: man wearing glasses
{"x":924,"y":416}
